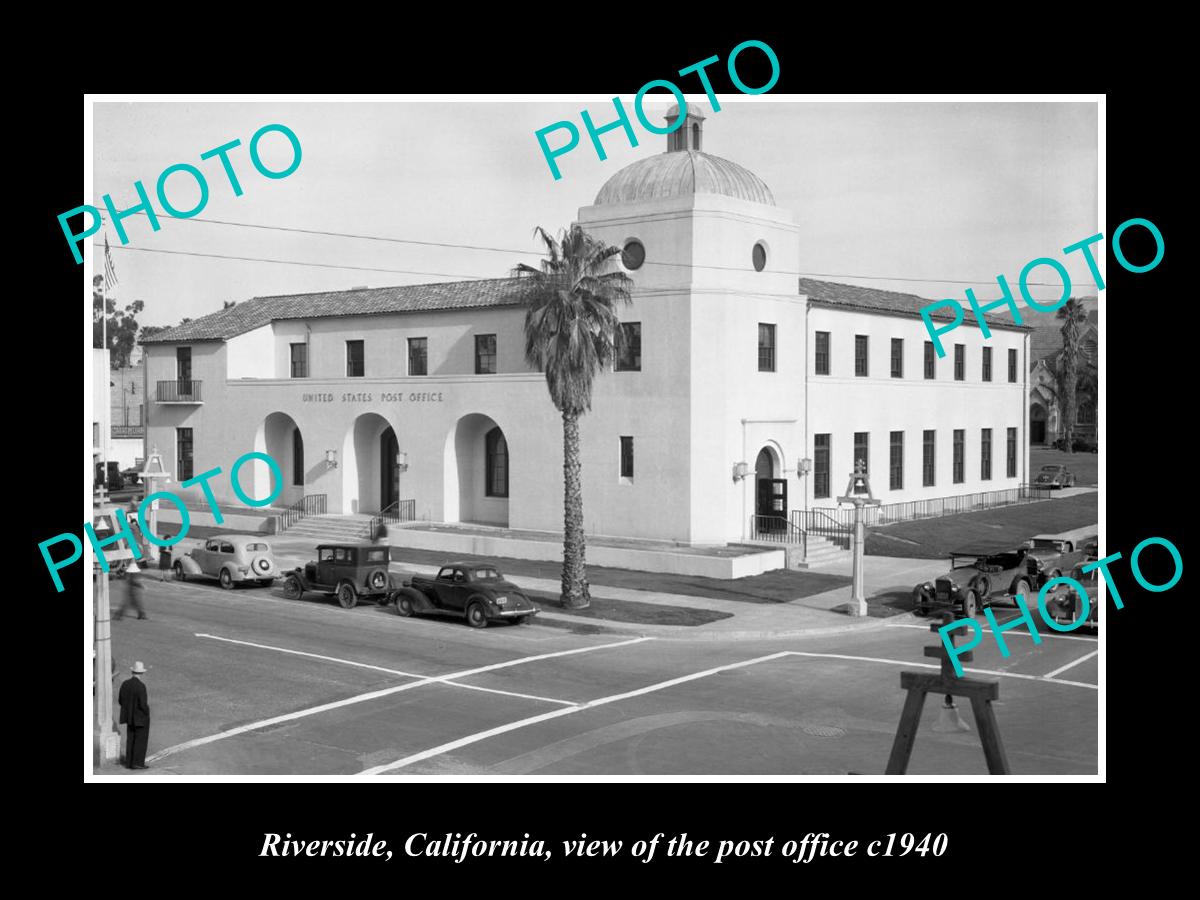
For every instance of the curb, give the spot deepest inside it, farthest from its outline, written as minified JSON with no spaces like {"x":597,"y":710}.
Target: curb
{"x":691,"y":632}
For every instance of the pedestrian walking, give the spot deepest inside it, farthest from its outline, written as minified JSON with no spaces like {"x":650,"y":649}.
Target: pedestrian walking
{"x":164,"y":560}
{"x":133,"y":592}
{"x":135,"y":716}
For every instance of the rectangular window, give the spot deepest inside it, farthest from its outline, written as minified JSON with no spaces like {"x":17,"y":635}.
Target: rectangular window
{"x":929,"y":459}
{"x":960,"y":362}
{"x":1012,"y":366}
{"x":987,"y":363}
{"x":629,"y":350}
{"x":355,"y":367}
{"x":299,"y":360}
{"x":485,"y":354}
{"x":960,"y":454}
{"x":862,"y":453}
{"x":1011,"y":453}
{"x":626,"y":456}
{"x":930,"y":360}
{"x":418,"y":356}
{"x":896,"y":479}
{"x":183,"y":453}
{"x":985,"y":454}
{"x":183,"y":365}
{"x":766,"y":347}
{"x":860,"y":355}
{"x":496,"y":463}
{"x":822,"y":353}
{"x":897,"y":357}
{"x":820,"y":466}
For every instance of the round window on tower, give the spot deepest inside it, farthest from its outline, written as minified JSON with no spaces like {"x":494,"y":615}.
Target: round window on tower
{"x":633,"y":255}
{"x":760,"y":256}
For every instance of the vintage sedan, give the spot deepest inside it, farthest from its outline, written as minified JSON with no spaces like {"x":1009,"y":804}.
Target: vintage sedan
{"x":1063,"y":603}
{"x":349,"y":571}
{"x":1055,"y":476}
{"x":975,"y":579}
{"x":231,"y":559}
{"x":1054,"y":554}
{"x":473,"y":591}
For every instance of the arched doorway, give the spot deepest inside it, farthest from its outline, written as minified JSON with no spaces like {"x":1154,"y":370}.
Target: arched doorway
{"x":365,"y":464}
{"x":1037,"y":424}
{"x":477,"y":470}
{"x":389,"y":469}
{"x":770,"y":490}
{"x":279,"y":437}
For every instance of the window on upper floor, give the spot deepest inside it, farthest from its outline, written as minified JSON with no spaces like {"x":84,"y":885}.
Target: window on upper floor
{"x":987,"y":363}
{"x":821,"y":356}
{"x":766,"y":347}
{"x":485,"y":354}
{"x":629,"y":348}
{"x":355,"y":359}
{"x":930,"y":361}
{"x":960,"y":362}
{"x":897,"y":357}
{"x":299,"y":360}
{"x":1012,"y":366}
{"x":418,"y":356}
{"x":861,"y":367}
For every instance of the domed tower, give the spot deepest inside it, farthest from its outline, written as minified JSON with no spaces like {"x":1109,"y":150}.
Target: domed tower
{"x":722,"y":334}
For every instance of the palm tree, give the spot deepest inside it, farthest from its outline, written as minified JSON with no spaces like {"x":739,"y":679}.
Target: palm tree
{"x":1074,"y":317}
{"x":571,"y":334}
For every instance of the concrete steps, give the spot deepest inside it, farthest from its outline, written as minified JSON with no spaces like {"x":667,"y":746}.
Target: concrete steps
{"x":333,"y":529}
{"x":822,"y":552}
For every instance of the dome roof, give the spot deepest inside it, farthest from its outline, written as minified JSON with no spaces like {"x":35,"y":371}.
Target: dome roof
{"x":681,"y":174}
{"x":693,"y":109}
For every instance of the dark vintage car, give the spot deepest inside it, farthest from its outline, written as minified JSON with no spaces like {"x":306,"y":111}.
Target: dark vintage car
{"x":349,"y":571}
{"x":1055,"y":554}
{"x":1063,"y":603}
{"x":975,"y":579}
{"x":1055,"y":476}
{"x":477,"y":592}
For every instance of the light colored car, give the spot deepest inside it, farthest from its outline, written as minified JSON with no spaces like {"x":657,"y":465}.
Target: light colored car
{"x":231,"y":559}
{"x":1055,"y":476}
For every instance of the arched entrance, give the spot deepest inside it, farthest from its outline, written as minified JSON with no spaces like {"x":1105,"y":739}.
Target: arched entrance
{"x":770,"y":490}
{"x":476,"y":472}
{"x":279,"y":437}
{"x":368,"y":469}
{"x":1037,"y":424}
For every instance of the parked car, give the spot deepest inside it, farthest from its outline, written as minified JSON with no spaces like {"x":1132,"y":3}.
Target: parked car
{"x":1054,"y":554}
{"x":975,"y":579}
{"x":474,"y":591}
{"x":1055,"y":476}
{"x":231,"y":559}
{"x":349,"y":571}
{"x":1063,"y":603}
{"x":1078,"y":445}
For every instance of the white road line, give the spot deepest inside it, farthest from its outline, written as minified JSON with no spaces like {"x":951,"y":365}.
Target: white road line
{"x":533,"y":720}
{"x":1043,"y":635}
{"x":1072,"y":664}
{"x":905,"y":662}
{"x":373,"y":695}
{"x":347,"y":662}
{"x":475,"y":687}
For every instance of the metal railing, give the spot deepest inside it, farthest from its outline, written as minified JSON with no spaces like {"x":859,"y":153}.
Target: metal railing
{"x":777,"y":530}
{"x":400,"y":511}
{"x":177,"y":391}
{"x":839,"y":523}
{"x":308,"y":505}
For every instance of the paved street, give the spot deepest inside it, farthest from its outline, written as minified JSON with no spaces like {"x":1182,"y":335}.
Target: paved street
{"x":246,"y":682}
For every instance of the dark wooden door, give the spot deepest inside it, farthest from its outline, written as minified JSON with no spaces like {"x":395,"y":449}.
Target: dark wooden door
{"x":389,"y":475}
{"x":772,"y":503}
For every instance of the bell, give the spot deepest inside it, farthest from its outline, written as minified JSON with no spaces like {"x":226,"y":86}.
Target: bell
{"x":949,"y":721}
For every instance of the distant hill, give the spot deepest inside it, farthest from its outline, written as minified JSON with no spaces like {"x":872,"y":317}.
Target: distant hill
{"x":1046,"y":340}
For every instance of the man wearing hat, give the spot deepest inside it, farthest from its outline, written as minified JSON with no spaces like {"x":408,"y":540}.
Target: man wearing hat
{"x":135,"y":716}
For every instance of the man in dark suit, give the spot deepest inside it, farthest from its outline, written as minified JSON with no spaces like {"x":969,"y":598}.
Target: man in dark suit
{"x":135,"y":716}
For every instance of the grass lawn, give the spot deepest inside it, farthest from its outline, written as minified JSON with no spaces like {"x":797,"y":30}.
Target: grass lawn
{"x":1084,"y":465}
{"x":1007,"y":526}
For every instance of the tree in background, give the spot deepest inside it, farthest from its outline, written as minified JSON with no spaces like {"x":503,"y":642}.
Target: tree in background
{"x":571,"y":334}
{"x":122,"y":326}
{"x":1073,"y":314}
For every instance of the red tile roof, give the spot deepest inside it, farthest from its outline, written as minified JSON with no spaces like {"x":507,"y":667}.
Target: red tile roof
{"x":832,"y":294}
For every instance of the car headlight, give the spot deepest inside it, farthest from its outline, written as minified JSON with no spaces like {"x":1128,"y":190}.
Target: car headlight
{"x":928,"y":585}
{"x":501,"y":600}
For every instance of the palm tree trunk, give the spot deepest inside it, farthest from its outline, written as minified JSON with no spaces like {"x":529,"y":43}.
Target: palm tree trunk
{"x":575,"y":593}
{"x":1069,"y":410}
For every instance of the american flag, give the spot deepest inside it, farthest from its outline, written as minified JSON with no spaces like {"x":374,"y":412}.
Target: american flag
{"x":110,"y":274}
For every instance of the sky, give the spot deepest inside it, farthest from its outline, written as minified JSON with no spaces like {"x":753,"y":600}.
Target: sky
{"x":894,"y":191}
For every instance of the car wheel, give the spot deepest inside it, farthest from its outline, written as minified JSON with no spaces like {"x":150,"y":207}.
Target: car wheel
{"x":404,"y":605}
{"x":292,"y":589}
{"x":477,"y":615}
{"x":179,"y":573}
{"x":1021,"y":586}
{"x":520,"y":620}
{"x":347,"y":596}
{"x":970,"y":605}
{"x":226,"y":580}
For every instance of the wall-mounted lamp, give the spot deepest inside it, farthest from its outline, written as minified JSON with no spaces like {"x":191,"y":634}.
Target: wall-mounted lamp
{"x":402,"y":461}
{"x":805,"y":467}
{"x":740,"y":471}
{"x":331,"y":459}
